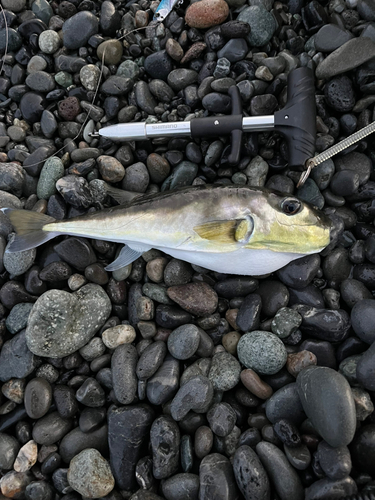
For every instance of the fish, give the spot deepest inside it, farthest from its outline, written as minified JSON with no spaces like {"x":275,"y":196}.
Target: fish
{"x":164,"y":9}
{"x":226,"y":228}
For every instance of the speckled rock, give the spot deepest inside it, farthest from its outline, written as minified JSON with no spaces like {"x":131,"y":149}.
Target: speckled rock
{"x":90,"y":474}
{"x":206,"y":13}
{"x":224,"y":372}
{"x":60,"y":323}
{"x":261,"y":351}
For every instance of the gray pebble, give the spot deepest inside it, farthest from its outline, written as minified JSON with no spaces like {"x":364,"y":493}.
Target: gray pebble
{"x":16,"y":360}
{"x":196,"y":395}
{"x":222,"y":419}
{"x":18,"y":263}
{"x":184,"y":341}
{"x":285,"y":322}
{"x":52,"y":171}
{"x":224,"y":372}
{"x":262,"y":351}
{"x":250,"y":475}
{"x":124,"y":362}
{"x":183,"y":486}
{"x":335,"y":462}
{"x":18,"y":316}
{"x":216,"y":478}
{"x":165,"y":444}
{"x":328,"y":488}
{"x":51,"y":428}
{"x":38,"y":397}
{"x":299,"y":457}
{"x":151,"y":360}
{"x":285,"y":403}
{"x":283,"y":476}
{"x":9,"y":447}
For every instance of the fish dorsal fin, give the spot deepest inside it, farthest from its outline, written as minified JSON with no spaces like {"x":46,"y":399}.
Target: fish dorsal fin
{"x":222,"y":231}
{"x":126,"y":256}
{"x":226,"y":231}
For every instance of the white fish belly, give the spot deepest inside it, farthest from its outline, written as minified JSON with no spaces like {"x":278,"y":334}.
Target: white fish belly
{"x":243,"y":261}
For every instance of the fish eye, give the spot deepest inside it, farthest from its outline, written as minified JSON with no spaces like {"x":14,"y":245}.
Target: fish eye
{"x":291,"y":206}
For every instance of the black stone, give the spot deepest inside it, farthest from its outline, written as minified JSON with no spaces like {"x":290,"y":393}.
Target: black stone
{"x":325,"y":324}
{"x":165,"y":444}
{"x":248,"y":317}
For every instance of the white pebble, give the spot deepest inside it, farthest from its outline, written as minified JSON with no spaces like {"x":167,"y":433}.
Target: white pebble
{"x":49,"y":41}
{"x":117,"y":335}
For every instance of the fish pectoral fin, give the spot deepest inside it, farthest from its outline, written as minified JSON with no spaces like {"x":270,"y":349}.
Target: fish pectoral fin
{"x":222,"y":231}
{"x":126,"y":256}
{"x":227,"y":231}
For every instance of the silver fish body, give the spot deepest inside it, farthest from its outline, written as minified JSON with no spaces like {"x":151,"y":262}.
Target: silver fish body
{"x":229,"y":229}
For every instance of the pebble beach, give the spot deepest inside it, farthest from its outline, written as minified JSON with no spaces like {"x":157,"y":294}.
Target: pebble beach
{"x":162,"y":379}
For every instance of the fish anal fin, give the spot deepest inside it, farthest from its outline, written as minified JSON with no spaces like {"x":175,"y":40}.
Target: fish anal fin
{"x":126,"y":256}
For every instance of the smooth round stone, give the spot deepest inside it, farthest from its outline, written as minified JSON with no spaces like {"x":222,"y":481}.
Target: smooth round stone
{"x":250,"y":475}
{"x":182,"y":486}
{"x":362,"y":318}
{"x":300,"y":273}
{"x":248,"y":317}
{"x":328,"y":488}
{"x":90,"y":474}
{"x":240,"y":286}
{"x":40,"y":81}
{"x":262,"y":351}
{"x":223,"y":487}
{"x":325,"y":324}
{"x":117,"y":335}
{"x":357,"y":162}
{"x":225,"y":371}
{"x":158,"y":65}
{"x":38,"y":490}
{"x":76,"y":441}
{"x":52,"y":171}
{"x":328,"y":402}
{"x":14,"y":5}
{"x":91,"y":393}
{"x":335,"y":462}
{"x":78,"y":29}
{"x":89,"y":76}
{"x":222,"y":419}
{"x":203,"y":441}
{"x":262,"y":24}
{"x":180,"y":78}
{"x":206,"y":14}
{"x":285,"y":403}
{"x":50,"y":429}
{"x":18,"y":263}
{"x":151,"y":359}
{"x":124,"y":362}
{"x":11,"y":38}
{"x":287,"y":432}
{"x":136,"y":178}
{"x":196,"y":395}
{"x":110,"y":169}
{"x":283,"y":476}
{"x":330,"y":37}
{"x":184,"y":341}
{"x":65,"y":401}
{"x":18,"y":316}
{"x":165,"y":444}
{"x":13,"y":482}
{"x":353,"y":291}
{"x":234,"y":50}
{"x":38,"y":397}
{"x":196,"y":298}
{"x":111,"y":50}
{"x":9,"y":447}
{"x":61,"y":322}
{"x":49,"y":41}
{"x":366,"y":9}
{"x":274,"y":296}
{"x":32,"y":106}
{"x":91,"y":419}
{"x":158,"y":169}
{"x":163,"y":385}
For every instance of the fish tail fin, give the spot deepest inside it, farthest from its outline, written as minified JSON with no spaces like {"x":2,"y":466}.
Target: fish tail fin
{"x":29,"y":228}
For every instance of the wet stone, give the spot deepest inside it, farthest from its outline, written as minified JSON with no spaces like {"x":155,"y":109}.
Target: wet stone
{"x":248,"y":317}
{"x":274,"y":296}
{"x":206,"y":14}
{"x":321,"y":387}
{"x":78,"y":29}
{"x":203,"y":441}
{"x":366,"y":369}
{"x":223,"y":487}
{"x":335,"y":462}
{"x":151,"y":359}
{"x":16,"y":361}
{"x":163,"y":385}
{"x":91,"y":393}
{"x":90,"y":475}
{"x":285,"y":403}
{"x":285,"y":322}
{"x":262,"y":25}
{"x":224,"y":372}
{"x":262,"y":351}
{"x":80,"y":316}
{"x":9,"y":447}
{"x":221,"y":418}
{"x":195,"y":395}
{"x":124,"y":362}
{"x":128,"y":430}
{"x":284,"y":477}
{"x":77,"y":252}
{"x":250,"y":475}
{"x":117,"y":335}
{"x":26,"y":457}
{"x":38,"y":397}
{"x":183,"y":486}
{"x":184,"y":341}
{"x":299,"y":457}
{"x":165,"y":443}
{"x":329,"y":488}
{"x":65,"y":401}
{"x":297,"y":361}
{"x":76,"y":441}
{"x":50,"y":429}
{"x":18,"y":316}
{"x":255,"y":385}
{"x":362,"y":320}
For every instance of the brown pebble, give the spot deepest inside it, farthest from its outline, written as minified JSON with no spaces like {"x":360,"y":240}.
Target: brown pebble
{"x":26,"y":457}
{"x":231,"y":316}
{"x":174,"y":49}
{"x":69,"y":108}
{"x":14,"y":389}
{"x":255,"y":384}
{"x":206,"y":13}
{"x":299,"y":360}
{"x":203,"y":441}
{"x":157,"y":166}
{"x":194,"y":52}
{"x":155,"y":269}
{"x":230,"y":341}
{"x":196,"y":298}
{"x":111,"y":50}
{"x":13,"y":484}
{"x":110,"y":169}
{"x":141,"y":18}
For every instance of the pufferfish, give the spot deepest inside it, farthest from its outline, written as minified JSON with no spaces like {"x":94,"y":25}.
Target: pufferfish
{"x":229,"y":229}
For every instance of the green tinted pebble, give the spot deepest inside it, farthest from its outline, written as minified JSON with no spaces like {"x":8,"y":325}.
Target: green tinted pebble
{"x":52,"y":171}
{"x":285,"y":322}
{"x":64,"y":79}
{"x":128,"y":69}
